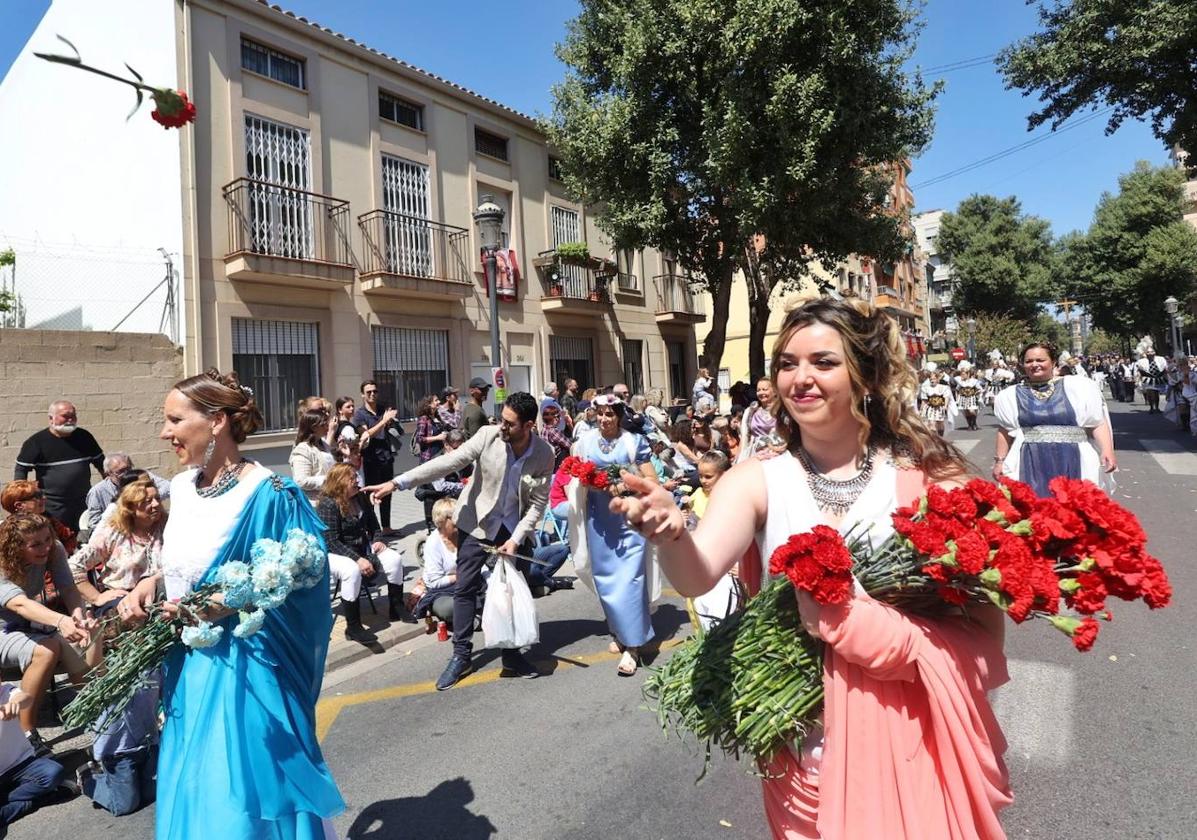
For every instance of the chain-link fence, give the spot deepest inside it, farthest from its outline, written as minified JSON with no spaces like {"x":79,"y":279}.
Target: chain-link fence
{"x":88,"y":287}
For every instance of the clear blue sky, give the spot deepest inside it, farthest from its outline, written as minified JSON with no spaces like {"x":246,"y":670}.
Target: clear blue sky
{"x":512,"y":61}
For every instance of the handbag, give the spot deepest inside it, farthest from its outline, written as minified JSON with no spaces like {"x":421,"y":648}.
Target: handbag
{"x":509,"y":614}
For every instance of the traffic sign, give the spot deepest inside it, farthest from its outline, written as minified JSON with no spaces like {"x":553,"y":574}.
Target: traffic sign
{"x":957,"y":354}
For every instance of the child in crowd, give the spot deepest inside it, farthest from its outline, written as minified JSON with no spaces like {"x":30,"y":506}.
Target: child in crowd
{"x":724,"y":597}
{"x":24,"y":777}
{"x":121,"y":779}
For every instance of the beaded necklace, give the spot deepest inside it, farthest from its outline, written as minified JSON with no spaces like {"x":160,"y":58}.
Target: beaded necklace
{"x":226,"y":479}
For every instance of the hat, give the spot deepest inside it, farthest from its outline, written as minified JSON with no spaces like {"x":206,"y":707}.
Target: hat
{"x":550,"y":404}
{"x":607,"y":399}
{"x":965,"y":364}
{"x":448,"y":392}
{"x":931,"y":367}
{"x":480,"y":383}
{"x":583,"y":405}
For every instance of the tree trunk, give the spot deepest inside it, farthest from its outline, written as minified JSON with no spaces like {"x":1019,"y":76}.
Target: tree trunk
{"x":712,"y":350}
{"x":758,"y":327}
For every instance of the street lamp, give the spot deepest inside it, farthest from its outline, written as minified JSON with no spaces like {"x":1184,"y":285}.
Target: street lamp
{"x":1172,"y":306}
{"x":489,"y":218}
{"x":971,"y":323}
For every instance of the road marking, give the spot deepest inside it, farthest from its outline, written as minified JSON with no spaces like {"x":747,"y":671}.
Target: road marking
{"x":1173,"y":458}
{"x":329,"y":708}
{"x":1036,"y":711}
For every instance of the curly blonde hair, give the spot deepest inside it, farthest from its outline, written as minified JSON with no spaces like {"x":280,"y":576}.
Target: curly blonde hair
{"x":15,"y":531}
{"x":875,"y":356}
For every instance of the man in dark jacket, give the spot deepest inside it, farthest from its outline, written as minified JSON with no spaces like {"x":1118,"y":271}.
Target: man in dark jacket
{"x":61,"y":457}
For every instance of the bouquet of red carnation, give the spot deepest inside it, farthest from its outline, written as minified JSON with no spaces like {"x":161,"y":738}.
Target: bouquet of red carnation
{"x":591,"y":474}
{"x":976,"y":545}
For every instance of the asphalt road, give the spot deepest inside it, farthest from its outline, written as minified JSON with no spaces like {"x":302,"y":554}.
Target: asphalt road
{"x":1100,"y":744}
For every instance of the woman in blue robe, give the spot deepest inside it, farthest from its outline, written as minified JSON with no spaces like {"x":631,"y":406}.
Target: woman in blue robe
{"x":239,"y":757}
{"x":616,"y":551}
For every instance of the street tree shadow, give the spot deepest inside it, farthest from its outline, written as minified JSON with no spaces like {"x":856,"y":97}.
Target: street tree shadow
{"x":440,"y":815}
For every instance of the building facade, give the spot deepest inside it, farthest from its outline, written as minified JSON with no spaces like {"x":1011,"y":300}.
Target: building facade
{"x":943,"y":327}
{"x":328,"y":234}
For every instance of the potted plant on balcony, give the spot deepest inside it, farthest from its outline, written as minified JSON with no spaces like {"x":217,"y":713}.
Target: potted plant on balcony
{"x":574,"y":253}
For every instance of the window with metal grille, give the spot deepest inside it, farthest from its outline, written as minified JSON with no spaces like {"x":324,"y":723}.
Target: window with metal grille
{"x":571,"y":358}
{"x":633,"y":365}
{"x":567,"y":227}
{"x":408,"y":238}
{"x":280,"y":210}
{"x":401,"y":111}
{"x":273,"y":64}
{"x":724,"y":380}
{"x":555,"y":169}
{"x":625,"y":263}
{"x":279,"y":360}
{"x":409,"y":364}
{"x":491,"y":145}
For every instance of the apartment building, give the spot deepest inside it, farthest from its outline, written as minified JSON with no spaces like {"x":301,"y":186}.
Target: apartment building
{"x":328,"y":234}
{"x":943,"y":325}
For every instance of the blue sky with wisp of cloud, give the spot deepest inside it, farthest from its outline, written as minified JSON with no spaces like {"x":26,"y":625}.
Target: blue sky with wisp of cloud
{"x":505,"y":51}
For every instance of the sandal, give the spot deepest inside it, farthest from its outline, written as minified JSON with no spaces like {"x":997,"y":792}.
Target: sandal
{"x":628,"y":663}
{"x":614,"y":647}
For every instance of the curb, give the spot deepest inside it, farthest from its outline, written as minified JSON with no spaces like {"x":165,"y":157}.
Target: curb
{"x":344,"y":652}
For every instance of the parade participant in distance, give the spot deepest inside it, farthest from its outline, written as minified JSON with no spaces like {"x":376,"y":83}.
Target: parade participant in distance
{"x":936,"y":403}
{"x":1152,"y":372}
{"x":616,"y":557}
{"x":245,"y":705}
{"x":903,"y":692}
{"x":1052,"y":426}
{"x":968,"y":392}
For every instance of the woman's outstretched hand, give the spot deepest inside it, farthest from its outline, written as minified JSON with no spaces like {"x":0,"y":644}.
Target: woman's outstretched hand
{"x":651,"y":509}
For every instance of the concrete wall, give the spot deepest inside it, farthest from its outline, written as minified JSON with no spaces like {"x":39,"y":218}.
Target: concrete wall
{"x":117,"y":381}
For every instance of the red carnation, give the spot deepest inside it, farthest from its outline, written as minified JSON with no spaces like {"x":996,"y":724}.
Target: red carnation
{"x":174,"y":109}
{"x":953,"y":595}
{"x":600,"y":480}
{"x":1091,"y":597}
{"x":1085,"y":635}
{"x":972,"y":553}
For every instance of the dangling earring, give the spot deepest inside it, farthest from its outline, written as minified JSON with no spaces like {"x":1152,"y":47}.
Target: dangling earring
{"x":209,"y":450}
{"x":867,"y":399}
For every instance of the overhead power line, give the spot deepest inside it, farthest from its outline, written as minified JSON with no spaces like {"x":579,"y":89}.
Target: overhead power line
{"x":1004,"y":153}
{"x":962,"y":64}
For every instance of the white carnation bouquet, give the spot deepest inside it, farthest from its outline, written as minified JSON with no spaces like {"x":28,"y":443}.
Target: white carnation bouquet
{"x":274,"y":570}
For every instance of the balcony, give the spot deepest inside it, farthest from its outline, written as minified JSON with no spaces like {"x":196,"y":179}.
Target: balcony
{"x":572,"y":286}
{"x":288,"y":237}
{"x":409,"y":257}
{"x":676,"y":302}
{"x":628,"y":284}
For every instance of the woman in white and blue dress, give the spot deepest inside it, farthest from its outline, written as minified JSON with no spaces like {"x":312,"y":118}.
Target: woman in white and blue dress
{"x":238,"y":757}
{"x":619,"y":568}
{"x":1052,"y":426}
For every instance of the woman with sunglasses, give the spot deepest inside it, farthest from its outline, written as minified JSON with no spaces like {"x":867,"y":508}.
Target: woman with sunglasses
{"x":614,"y":552}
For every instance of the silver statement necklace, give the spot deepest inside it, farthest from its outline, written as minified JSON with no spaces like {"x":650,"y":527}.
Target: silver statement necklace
{"x":836,"y":496}
{"x":225,"y":481}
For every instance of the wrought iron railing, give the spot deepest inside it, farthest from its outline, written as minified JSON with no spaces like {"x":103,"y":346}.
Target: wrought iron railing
{"x":278,"y":221}
{"x":400,"y":244}
{"x":565,"y":279}
{"x":675,"y":295}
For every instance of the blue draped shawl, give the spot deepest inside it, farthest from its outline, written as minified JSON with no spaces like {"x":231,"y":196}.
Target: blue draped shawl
{"x":239,"y":756}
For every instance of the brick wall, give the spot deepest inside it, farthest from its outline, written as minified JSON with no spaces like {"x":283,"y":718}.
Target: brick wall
{"x":117,"y":381}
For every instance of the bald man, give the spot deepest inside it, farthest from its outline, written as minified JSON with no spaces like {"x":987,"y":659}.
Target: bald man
{"x":61,"y":456}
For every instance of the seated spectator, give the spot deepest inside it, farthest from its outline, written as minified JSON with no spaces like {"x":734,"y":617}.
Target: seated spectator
{"x":105,"y":492}
{"x":311,"y":457}
{"x":725,"y":596}
{"x":35,"y":639}
{"x":711,"y":467}
{"x":656,"y":409}
{"x":586,"y":418}
{"x":685,"y":458}
{"x":440,"y":565}
{"x":25,"y":777}
{"x":354,"y":551}
{"x":24,"y":496}
{"x":126,"y":547}
{"x":552,"y":430}
{"x":541,"y":574}
{"x":350,"y":452}
{"x":120,"y":779}
{"x":663,"y":464}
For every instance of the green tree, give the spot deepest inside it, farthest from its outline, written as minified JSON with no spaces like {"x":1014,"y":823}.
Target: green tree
{"x":1003,"y":260}
{"x":1138,"y":251}
{"x":7,"y":298}
{"x":998,"y":332}
{"x":1101,"y":342}
{"x":696,"y":125}
{"x":1139,"y":59}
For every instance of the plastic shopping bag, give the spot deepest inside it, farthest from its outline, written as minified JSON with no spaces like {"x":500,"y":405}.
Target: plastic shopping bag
{"x":509,"y":615}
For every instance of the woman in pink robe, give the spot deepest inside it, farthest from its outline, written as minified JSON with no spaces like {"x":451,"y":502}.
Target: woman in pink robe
{"x":909,"y":746}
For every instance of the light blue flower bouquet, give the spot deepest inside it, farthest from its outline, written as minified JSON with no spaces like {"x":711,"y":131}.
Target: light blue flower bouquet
{"x":253,"y":587}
